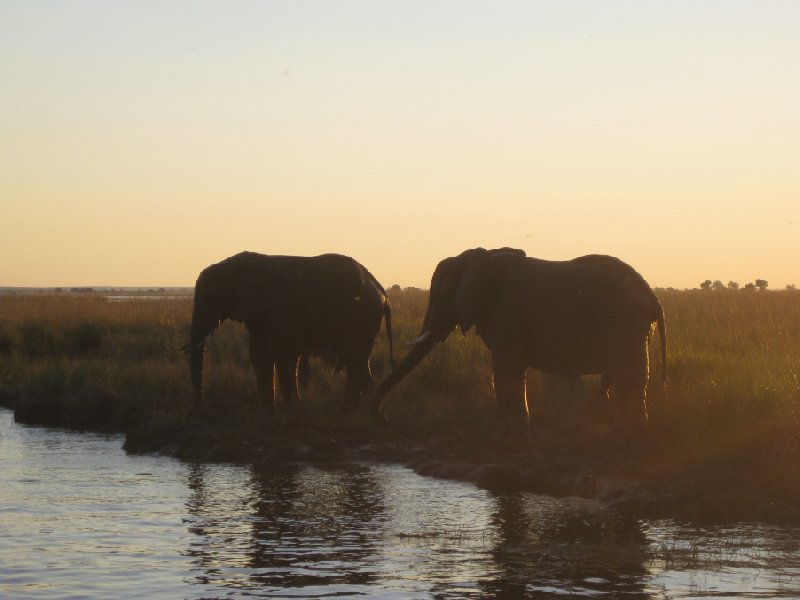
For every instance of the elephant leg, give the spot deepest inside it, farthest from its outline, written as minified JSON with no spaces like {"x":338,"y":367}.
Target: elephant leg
{"x":631,"y":385}
{"x":633,"y":418}
{"x":511,"y":394}
{"x":265,"y":373}
{"x":358,"y":380}
{"x":303,"y":369}
{"x":287,"y":380}
{"x":605,"y":388}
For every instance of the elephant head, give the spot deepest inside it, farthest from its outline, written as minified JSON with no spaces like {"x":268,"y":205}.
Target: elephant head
{"x":238,"y":288}
{"x":462,"y":289}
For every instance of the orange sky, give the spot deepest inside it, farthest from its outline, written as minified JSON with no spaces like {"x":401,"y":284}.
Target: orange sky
{"x":141,"y":142}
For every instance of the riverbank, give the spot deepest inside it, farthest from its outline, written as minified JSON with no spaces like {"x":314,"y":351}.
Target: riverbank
{"x":649,"y":478}
{"x":724,"y":441}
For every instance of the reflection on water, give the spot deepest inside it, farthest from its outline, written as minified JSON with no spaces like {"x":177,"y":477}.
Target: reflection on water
{"x":80,"y":518}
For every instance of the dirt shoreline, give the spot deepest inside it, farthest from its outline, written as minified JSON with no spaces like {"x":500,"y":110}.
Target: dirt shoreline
{"x":639,"y":478}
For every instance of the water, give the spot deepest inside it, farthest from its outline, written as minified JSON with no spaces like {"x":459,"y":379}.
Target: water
{"x":147,"y":298}
{"x":81,"y":519}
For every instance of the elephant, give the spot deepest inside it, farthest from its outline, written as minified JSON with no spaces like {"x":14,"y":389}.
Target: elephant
{"x":590,"y":315}
{"x":292,"y":306}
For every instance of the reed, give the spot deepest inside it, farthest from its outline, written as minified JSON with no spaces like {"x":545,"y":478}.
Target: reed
{"x":733,"y":392}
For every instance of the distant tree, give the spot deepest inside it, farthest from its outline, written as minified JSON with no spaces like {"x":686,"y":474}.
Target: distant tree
{"x":706,"y":285}
{"x":717,"y":286}
{"x":761,"y":284}
{"x":732,"y":285}
{"x":791,"y":287}
{"x":749,"y":286}
{"x":395,"y":288}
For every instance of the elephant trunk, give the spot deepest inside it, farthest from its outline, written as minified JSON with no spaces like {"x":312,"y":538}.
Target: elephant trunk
{"x":196,"y":369}
{"x":201,"y":331}
{"x":421,"y":346}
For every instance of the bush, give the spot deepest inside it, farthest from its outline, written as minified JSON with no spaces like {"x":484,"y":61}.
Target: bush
{"x":36,"y":340}
{"x":6,"y":341}
{"x":84,"y":338}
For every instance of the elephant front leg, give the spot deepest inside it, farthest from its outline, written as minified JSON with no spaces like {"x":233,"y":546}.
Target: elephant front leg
{"x":510,"y":393}
{"x":303,"y":370}
{"x":287,"y":380}
{"x":265,"y":374}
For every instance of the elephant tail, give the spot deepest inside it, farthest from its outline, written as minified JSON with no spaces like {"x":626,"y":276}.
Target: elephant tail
{"x":387,"y":313}
{"x":662,"y":333}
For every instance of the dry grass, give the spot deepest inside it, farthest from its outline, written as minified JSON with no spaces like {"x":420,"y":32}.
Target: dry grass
{"x":733,"y":394}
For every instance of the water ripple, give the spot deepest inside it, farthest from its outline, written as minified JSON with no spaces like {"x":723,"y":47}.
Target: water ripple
{"x":81,"y":519}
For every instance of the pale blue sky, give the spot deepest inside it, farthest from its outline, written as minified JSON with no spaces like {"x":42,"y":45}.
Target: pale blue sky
{"x":141,"y":141}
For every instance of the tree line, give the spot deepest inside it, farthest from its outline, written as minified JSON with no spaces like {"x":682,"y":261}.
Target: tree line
{"x":759,"y":284}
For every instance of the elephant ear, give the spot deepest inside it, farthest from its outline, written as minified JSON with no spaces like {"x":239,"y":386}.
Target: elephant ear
{"x":477,"y":287}
{"x":255,"y":292}
{"x":484,"y":274}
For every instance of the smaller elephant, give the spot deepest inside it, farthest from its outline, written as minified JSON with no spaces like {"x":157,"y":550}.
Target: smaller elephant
{"x":292,"y":306}
{"x":590,"y":315}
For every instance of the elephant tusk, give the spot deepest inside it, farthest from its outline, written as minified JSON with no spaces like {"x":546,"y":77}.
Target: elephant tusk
{"x":418,"y":340}
{"x":190,"y":347}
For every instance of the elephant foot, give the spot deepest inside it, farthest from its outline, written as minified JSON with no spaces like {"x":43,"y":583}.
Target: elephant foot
{"x":199,"y":413}
{"x":627,"y":434}
{"x":512,"y":439}
{"x":265,"y":410}
{"x":519,"y":441}
{"x":379,"y":418}
{"x":499,"y":437}
{"x":346,"y":408}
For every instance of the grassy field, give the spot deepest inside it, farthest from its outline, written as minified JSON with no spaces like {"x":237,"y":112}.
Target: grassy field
{"x":732,"y":400}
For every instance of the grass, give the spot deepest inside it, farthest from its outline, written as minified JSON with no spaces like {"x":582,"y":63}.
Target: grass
{"x":732,"y":400}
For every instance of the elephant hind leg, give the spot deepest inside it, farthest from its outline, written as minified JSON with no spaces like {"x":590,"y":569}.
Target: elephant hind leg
{"x":303,"y":370}
{"x":628,"y":372}
{"x":359,"y":380}
{"x":631,"y":387}
{"x":605,"y":388}
{"x":265,"y":374}
{"x":633,"y":418}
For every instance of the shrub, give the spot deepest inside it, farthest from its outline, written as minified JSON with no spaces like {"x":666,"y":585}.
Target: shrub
{"x":84,"y":338}
{"x":36,"y":340}
{"x":7,"y":343}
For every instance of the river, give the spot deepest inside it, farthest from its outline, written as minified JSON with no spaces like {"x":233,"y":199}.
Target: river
{"x":79,"y":518}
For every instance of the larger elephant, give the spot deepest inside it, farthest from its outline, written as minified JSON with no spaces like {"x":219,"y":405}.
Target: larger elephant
{"x":291,"y":305}
{"x":590,"y":315}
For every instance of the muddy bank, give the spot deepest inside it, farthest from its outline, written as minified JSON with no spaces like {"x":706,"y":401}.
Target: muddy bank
{"x":646,"y":478}
{"x":641,"y":478}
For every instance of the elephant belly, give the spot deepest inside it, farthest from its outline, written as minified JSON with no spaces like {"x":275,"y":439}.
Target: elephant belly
{"x":342,"y":332}
{"x":571,"y":358}
{"x":570,"y":366}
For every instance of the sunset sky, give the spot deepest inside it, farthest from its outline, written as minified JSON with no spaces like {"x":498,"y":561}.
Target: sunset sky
{"x":142,"y":140}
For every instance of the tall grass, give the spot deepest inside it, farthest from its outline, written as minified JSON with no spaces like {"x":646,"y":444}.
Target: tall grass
{"x":734,"y":367}
{"x":735,"y":356}
{"x":734,"y":386}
